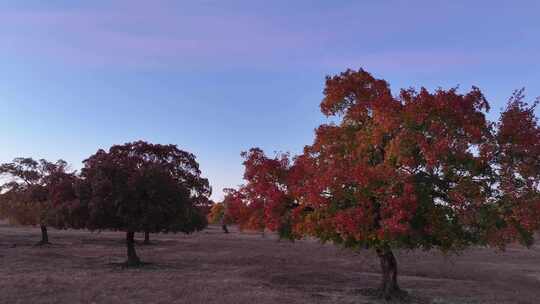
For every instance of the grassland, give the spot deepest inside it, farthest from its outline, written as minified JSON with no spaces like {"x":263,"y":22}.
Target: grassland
{"x":212,"y":267}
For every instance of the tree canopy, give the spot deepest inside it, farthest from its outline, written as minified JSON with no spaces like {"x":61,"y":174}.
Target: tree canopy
{"x":418,"y":170}
{"x":143,"y":187}
{"x":34,"y":190}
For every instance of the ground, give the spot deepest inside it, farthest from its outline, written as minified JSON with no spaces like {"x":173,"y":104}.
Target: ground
{"x":212,"y":267}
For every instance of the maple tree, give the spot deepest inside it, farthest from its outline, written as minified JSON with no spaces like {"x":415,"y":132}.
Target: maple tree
{"x":418,"y":170}
{"x":142,"y":187}
{"x":515,"y":156}
{"x":264,"y":201}
{"x":34,"y":190}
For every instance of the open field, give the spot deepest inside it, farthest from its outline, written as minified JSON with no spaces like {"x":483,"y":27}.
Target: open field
{"x":211,"y":267}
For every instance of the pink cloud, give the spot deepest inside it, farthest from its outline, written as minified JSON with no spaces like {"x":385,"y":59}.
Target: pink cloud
{"x":164,"y":33}
{"x":142,"y":35}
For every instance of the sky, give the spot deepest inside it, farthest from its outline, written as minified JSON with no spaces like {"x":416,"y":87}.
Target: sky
{"x":217,"y":77}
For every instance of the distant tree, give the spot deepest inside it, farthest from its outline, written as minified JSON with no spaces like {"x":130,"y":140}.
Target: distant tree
{"x":515,"y":159}
{"x":265,"y":200}
{"x":218,"y":215}
{"x":143,"y":187}
{"x":33,"y":189}
{"x":419,"y":170}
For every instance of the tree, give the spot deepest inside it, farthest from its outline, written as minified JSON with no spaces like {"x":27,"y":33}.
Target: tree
{"x":34,"y":188}
{"x":420,"y":170}
{"x":216,"y":213}
{"x":219,"y":213}
{"x":265,"y":200}
{"x":143,"y":187}
{"x":515,"y":157}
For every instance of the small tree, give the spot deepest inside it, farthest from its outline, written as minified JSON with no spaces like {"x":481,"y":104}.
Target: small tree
{"x":29,"y":196}
{"x":219,"y":214}
{"x":143,"y":187}
{"x":264,"y":201}
{"x":216,"y":213}
{"x":420,"y":170}
{"x":515,"y":158}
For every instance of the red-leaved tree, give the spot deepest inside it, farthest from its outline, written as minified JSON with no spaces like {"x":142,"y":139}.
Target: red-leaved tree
{"x":515,"y":158}
{"x":263,"y":202}
{"x":419,"y":170}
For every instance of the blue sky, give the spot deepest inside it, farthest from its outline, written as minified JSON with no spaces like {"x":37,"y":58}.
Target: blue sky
{"x":218,"y":77}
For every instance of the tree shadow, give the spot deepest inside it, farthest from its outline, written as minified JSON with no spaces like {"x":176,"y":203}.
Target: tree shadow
{"x":140,"y":265}
{"x":402,"y":296}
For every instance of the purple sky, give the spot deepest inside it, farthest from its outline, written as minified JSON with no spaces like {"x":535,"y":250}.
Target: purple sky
{"x":218,"y":77}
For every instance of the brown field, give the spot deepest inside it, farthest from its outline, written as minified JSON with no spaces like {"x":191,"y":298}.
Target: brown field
{"x":211,"y":267}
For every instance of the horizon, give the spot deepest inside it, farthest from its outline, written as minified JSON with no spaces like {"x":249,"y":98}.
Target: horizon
{"x":219,"y":78}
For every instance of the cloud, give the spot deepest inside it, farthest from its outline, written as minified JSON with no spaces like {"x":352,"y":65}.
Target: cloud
{"x":210,"y":34}
{"x":146,"y":36}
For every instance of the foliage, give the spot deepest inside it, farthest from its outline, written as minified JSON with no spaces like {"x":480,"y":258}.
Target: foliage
{"x":264,"y":201}
{"x":143,"y":187}
{"x":34,"y":190}
{"x":217,"y":211}
{"x":516,"y":160}
{"x":418,"y":170}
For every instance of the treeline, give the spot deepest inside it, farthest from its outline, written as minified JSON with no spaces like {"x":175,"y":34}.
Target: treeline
{"x":135,"y":187}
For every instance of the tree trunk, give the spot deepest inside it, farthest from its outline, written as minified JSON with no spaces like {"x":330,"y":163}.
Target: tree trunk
{"x":389,"y":287}
{"x":147,"y":238}
{"x":133,"y":259}
{"x":224,"y":227}
{"x":44,"y":236}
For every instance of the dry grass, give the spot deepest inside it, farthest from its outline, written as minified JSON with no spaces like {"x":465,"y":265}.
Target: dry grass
{"x":212,"y":267}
